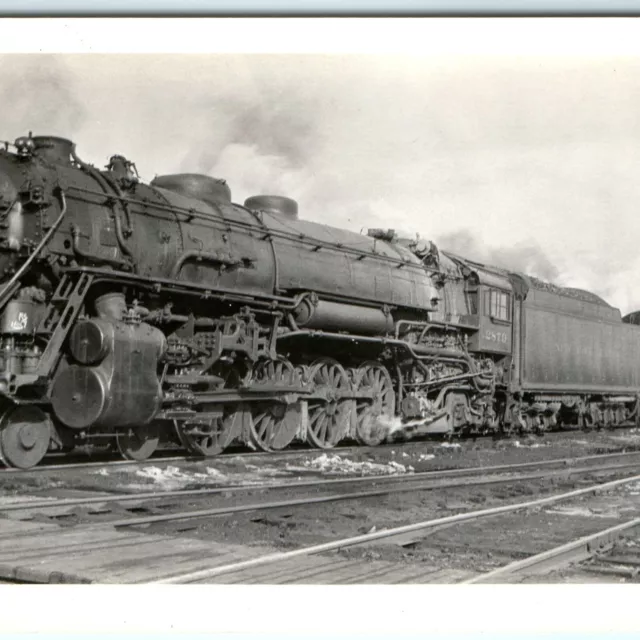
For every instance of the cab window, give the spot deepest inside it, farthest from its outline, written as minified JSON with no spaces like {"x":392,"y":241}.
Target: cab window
{"x":496,"y":305}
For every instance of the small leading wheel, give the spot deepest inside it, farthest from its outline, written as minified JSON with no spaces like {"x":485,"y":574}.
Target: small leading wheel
{"x":25,"y":433}
{"x":373,"y":419}
{"x":210,"y":436}
{"x":273,"y":425}
{"x":138,"y":443}
{"x":329,"y":414}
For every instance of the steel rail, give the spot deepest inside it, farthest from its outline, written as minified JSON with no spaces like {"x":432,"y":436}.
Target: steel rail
{"x":410,"y":478}
{"x":270,"y":454}
{"x":562,"y":555}
{"x":89,"y":465}
{"x":338,"y":497}
{"x":275,"y":558}
{"x":184,"y":458}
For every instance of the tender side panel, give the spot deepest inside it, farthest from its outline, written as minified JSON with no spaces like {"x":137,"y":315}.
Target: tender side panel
{"x":572,"y":345}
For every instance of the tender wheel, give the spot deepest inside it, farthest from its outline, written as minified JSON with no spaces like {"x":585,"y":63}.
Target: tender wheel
{"x":138,"y":443}
{"x":273,"y":425}
{"x":25,"y":432}
{"x":373,"y":419}
{"x":209,"y":437}
{"x":329,"y":416}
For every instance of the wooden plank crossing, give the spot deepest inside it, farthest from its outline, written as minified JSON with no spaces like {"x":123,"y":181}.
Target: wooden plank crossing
{"x":48,"y":553}
{"x":330,"y":570}
{"x":36,"y":552}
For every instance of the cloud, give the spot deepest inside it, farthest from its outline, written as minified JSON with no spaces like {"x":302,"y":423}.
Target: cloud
{"x":39,"y":93}
{"x":531,"y":164}
{"x":524,"y":257}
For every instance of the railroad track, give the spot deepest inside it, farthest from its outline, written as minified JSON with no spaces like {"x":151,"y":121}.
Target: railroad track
{"x":423,"y":481}
{"x":100,"y":460}
{"x":249,"y":566}
{"x":108,"y":460}
{"x":74,"y":461}
{"x":24,"y":542}
{"x":591,"y":553}
{"x":47,"y":545}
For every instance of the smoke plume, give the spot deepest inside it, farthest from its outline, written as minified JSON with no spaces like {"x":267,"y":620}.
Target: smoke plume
{"x":525,"y":257}
{"x":39,"y":93}
{"x":530,"y":164}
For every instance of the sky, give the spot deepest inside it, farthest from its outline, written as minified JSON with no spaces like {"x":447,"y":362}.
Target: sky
{"x":527,"y":160}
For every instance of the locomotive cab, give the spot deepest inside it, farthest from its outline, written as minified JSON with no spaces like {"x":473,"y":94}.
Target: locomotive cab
{"x":495,"y":314}
{"x":481,"y":300}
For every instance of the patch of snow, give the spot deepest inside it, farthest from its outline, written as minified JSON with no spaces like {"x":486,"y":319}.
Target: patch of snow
{"x":536,"y":445}
{"x":215,"y":473}
{"x":451,"y":445}
{"x":426,"y":456}
{"x":174,"y":478}
{"x":337,"y":464}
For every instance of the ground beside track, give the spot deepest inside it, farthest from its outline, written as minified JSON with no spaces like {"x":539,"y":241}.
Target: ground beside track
{"x":42,"y":551}
{"x":458,"y":550}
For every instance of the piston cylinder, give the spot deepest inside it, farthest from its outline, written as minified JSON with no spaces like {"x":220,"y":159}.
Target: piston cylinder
{"x":335,"y":316}
{"x":115,"y":382}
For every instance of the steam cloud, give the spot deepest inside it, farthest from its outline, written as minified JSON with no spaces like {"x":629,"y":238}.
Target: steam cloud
{"x":524,"y":257}
{"x":39,"y":91}
{"x":528,"y":165}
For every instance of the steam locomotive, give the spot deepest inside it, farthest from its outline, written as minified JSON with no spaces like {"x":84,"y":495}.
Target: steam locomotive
{"x":136,"y":314}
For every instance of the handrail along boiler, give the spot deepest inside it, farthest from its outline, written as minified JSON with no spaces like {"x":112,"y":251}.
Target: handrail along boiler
{"x":135,"y":313}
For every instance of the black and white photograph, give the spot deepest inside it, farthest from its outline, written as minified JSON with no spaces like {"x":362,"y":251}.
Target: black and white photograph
{"x":320,"y":302}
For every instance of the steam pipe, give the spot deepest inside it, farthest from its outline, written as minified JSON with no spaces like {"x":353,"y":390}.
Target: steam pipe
{"x":123,"y":201}
{"x":106,"y":187}
{"x":424,"y":352}
{"x":206,"y":256}
{"x":268,"y":302}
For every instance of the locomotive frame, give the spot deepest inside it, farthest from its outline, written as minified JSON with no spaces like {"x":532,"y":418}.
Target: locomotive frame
{"x":133,"y":314}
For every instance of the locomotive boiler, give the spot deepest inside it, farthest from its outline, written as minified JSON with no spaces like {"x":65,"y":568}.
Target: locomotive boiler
{"x":134,"y":314}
